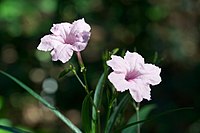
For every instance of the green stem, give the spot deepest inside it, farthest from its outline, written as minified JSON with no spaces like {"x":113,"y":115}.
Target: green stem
{"x":83,"y":70}
{"x":84,"y":86}
{"x":109,"y":109}
{"x":138,"y":116}
{"x":79,"y":79}
{"x":99,"y":122}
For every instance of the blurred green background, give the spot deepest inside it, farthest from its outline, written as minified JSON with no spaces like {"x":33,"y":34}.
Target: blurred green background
{"x":170,"y":28}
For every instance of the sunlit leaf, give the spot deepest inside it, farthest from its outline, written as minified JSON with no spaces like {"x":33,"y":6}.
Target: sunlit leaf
{"x":6,"y":129}
{"x":114,"y":51}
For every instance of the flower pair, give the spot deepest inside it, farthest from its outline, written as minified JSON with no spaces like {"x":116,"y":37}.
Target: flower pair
{"x":129,"y":73}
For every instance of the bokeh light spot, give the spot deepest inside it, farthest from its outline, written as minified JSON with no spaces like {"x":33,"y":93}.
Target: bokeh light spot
{"x":9,"y":54}
{"x":50,"y":85}
{"x":42,"y":56}
{"x":37,"y":75}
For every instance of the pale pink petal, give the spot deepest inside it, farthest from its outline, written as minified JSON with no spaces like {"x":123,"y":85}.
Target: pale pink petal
{"x":48,"y":42}
{"x":81,"y":41}
{"x":151,"y":74}
{"x":118,"y":80}
{"x":79,"y":46}
{"x":136,"y":95}
{"x":135,"y":88}
{"x":139,"y":90}
{"x":62,"y":53}
{"x":80,"y":34}
{"x":80,"y":26}
{"x":146,"y":92}
{"x":134,"y":60}
{"x":118,"y":64}
{"x":62,"y":29}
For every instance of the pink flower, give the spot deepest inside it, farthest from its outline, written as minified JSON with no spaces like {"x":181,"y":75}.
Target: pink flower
{"x":133,"y":74}
{"x":65,"y":39}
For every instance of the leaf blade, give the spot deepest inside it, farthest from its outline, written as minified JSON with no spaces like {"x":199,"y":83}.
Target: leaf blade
{"x":114,"y":115}
{"x":97,"y":101}
{"x":12,"y":129}
{"x":153,"y":118}
{"x":85,"y":114}
{"x":44,"y":102}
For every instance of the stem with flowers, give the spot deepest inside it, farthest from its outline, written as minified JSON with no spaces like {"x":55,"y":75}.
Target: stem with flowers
{"x":130,"y":74}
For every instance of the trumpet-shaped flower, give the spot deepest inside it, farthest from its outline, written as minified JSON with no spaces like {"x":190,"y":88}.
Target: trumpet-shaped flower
{"x":133,"y":74}
{"x":65,"y":39}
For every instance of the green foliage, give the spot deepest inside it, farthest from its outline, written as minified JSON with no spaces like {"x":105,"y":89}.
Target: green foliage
{"x":154,"y":117}
{"x":147,"y":25}
{"x":6,"y":129}
{"x":97,"y":101}
{"x":123,"y":103}
{"x":85,"y":114}
{"x":5,"y":122}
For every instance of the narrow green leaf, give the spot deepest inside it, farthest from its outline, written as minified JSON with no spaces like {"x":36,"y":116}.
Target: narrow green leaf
{"x":39,"y":98}
{"x":5,"y":122}
{"x":12,"y":129}
{"x":85,"y":114}
{"x":28,"y":90}
{"x":114,"y":51}
{"x":153,"y":118}
{"x":144,"y":111}
{"x":97,"y":101}
{"x":123,"y":52}
{"x":1,"y":102}
{"x":116,"y":112}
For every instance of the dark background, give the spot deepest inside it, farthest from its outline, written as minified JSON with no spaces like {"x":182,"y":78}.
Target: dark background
{"x":170,"y":28}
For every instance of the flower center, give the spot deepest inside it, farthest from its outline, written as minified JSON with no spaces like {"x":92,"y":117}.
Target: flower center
{"x":132,"y":75}
{"x":70,"y":39}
